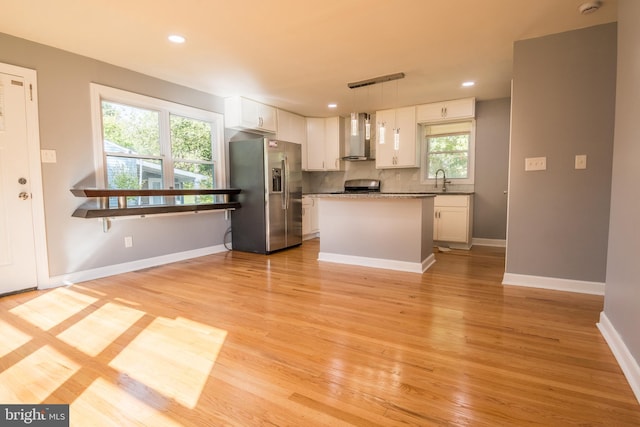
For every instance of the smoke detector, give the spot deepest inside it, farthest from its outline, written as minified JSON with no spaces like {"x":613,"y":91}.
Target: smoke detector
{"x":589,"y":7}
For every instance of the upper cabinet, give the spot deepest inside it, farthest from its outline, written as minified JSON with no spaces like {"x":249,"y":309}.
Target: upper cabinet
{"x":293,"y":128}
{"x":396,"y":146}
{"x":446,"y":111}
{"x":325,"y":143}
{"x":246,"y":114}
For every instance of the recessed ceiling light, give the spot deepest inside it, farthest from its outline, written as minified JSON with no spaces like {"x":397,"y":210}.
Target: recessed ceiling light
{"x":332,"y":105}
{"x":468,"y":84}
{"x":175,"y":38}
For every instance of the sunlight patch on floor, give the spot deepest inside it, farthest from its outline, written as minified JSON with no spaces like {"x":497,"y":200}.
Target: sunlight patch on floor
{"x":174,"y":357}
{"x":12,"y":338}
{"x":103,"y":402}
{"x":97,"y":330}
{"x":52,"y":308}
{"x":36,"y":376}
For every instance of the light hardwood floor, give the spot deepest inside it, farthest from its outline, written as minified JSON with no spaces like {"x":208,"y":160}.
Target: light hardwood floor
{"x":283,"y":340}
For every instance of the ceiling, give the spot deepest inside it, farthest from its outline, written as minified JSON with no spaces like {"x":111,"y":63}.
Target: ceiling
{"x":299,"y":55}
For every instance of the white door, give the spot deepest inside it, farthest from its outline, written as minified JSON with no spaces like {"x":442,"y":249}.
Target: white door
{"x":17,"y":243}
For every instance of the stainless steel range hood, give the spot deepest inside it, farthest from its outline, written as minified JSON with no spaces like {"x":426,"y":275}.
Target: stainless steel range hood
{"x":359,"y":148}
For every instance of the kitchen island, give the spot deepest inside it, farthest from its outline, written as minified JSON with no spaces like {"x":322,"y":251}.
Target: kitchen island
{"x":392,"y":231}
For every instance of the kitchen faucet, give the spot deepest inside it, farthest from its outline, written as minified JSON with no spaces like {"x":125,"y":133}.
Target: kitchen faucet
{"x":444,"y":180}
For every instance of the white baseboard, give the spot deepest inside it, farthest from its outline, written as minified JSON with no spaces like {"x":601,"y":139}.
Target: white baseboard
{"x":595,"y":288}
{"x":110,"y":270}
{"x":498,"y":243}
{"x":625,"y":359}
{"x":411,"y":267}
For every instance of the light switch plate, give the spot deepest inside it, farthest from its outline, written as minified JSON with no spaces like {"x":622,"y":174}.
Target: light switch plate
{"x":48,"y":156}
{"x":535,"y":163}
{"x":581,"y":161}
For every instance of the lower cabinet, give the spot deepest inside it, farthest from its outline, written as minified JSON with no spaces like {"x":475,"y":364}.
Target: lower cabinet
{"x":453,"y":220}
{"x":310,"y":227}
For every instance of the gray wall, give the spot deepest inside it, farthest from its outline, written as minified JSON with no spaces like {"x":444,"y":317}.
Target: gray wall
{"x":491,"y":172}
{"x":65,"y":126}
{"x":492,"y":169}
{"x":622,"y":290}
{"x":563,"y":105}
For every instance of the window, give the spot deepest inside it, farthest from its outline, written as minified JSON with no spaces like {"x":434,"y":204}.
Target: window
{"x":147,"y":143}
{"x":450,"y":147}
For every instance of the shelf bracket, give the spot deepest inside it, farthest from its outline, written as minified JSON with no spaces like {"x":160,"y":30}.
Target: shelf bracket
{"x":106,"y":224}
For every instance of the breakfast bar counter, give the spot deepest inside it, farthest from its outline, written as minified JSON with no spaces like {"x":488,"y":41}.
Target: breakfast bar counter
{"x":381,"y":230}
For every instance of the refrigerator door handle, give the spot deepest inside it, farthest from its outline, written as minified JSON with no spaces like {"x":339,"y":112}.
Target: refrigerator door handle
{"x":284,"y":184}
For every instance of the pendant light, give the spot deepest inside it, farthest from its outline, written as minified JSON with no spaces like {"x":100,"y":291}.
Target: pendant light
{"x":354,"y":124}
{"x":354,"y":117}
{"x":396,"y":131}
{"x":381,"y":129}
{"x":367,"y":127}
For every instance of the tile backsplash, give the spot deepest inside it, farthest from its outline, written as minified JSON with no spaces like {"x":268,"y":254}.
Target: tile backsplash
{"x":391,"y":180}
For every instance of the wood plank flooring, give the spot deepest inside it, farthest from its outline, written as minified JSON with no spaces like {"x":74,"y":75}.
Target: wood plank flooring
{"x":284,"y":340}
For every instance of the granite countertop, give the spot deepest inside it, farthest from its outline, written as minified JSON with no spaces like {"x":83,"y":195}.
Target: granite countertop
{"x":391,"y":195}
{"x":374,"y":195}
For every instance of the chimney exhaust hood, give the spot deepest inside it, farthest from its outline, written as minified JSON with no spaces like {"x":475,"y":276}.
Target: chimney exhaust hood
{"x":360,"y":145}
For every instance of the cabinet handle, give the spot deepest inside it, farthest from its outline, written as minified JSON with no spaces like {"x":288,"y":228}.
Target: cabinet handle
{"x":260,"y":121}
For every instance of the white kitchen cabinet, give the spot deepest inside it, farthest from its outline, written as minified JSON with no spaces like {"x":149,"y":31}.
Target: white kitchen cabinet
{"x":456,"y":109}
{"x":293,"y":128}
{"x":310,"y":223}
{"x":325,"y":143}
{"x":401,"y":151}
{"x":246,"y":114}
{"x":453,"y":220}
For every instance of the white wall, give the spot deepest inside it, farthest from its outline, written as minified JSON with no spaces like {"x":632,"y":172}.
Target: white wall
{"x":622,"y":293}
{"x":78,"y":245}
{"x":563,"y":105}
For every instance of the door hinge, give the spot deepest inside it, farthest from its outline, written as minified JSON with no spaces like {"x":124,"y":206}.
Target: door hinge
{"x":30,"y":91}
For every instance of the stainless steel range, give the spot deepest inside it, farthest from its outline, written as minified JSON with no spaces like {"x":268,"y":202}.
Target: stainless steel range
{"x":361,"y":186}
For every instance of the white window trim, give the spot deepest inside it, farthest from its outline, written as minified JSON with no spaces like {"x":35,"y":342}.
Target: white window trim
{"x":100,"y":93}
{"x":472,"y":157}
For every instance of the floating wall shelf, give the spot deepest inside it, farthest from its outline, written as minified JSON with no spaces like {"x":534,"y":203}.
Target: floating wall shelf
{"x":99,"y":208}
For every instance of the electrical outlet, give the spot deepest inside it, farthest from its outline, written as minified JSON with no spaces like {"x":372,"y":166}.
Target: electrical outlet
{"x":128,"y":242}
{"x":535,"y":163}
{"x":581,"y":161}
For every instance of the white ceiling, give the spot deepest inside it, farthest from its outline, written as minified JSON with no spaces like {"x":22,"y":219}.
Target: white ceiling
{"x":299,"y":55}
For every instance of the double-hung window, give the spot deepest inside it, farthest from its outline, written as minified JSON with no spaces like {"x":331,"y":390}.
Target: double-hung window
{"x":450,"y":147}
{"x":147,"y":143}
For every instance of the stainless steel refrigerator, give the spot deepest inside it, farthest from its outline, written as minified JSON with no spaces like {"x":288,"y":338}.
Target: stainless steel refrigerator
{"x":269,"y":173}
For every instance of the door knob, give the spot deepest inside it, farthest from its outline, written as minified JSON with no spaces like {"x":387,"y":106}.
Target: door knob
{"x":24,"y":195}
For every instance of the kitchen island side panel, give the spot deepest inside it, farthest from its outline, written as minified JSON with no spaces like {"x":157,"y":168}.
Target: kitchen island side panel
{"x":383,"y":232}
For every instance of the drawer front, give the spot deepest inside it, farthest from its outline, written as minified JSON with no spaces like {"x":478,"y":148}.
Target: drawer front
{"x":457,"y":200}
